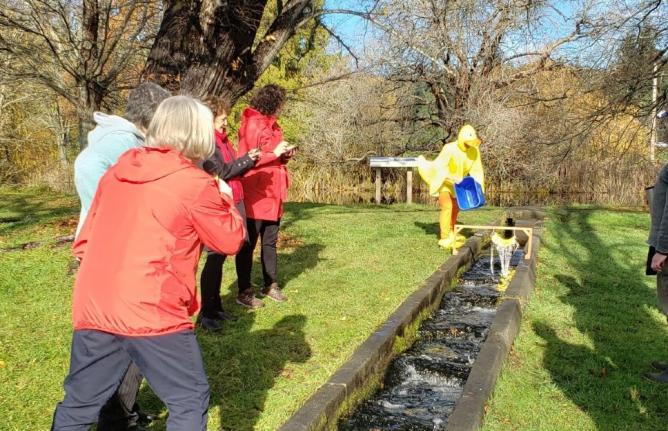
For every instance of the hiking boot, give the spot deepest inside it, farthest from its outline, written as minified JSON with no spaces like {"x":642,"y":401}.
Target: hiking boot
{"x":657,"y":377}
{"x":659,"y":365}
{"x":248,"y":300}
{"x":224,"y":315}
{"x":272,"y":291}
{"x":213,"y":325}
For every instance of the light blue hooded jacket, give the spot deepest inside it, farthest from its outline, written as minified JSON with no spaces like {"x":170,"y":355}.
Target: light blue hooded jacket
{"x":111,"y":137}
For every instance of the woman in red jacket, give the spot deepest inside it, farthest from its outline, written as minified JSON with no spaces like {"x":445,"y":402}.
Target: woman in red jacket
{"x":265,"y":190}
{"x":226,"y":165}
{"x":135,"y":290}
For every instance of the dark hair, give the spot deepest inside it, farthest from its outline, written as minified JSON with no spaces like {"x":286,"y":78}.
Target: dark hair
{"x":142,"y":103}
{"x":268,"y":99}
{"x":217,"y":105}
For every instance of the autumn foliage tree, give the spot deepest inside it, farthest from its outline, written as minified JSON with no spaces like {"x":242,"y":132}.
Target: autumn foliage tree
{"x":84,"y":51}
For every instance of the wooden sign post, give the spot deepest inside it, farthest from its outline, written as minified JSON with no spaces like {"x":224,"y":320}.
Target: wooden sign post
{"x":394,"y":162}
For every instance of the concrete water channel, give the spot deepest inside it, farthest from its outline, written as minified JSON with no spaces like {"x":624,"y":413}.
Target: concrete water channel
{"x":423,"y":384}
{"x":452,"y":335}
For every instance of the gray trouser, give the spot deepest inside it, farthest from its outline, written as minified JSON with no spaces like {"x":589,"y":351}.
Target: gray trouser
{"x":172,"y":365}
{"x":662,"y":289}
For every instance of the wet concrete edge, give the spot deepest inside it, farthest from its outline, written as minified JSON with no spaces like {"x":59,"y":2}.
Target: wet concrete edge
{"x":370,"y":360}
{"x":469,"y":411}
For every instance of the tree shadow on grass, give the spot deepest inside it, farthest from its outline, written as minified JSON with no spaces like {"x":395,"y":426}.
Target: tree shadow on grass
{"x":297,"y":211}
{"x":614,"y":310}
{"x":242,"y":364}
{"x":431,"y":229}
{"x":294,"y":258}
{"x":18,"y":210}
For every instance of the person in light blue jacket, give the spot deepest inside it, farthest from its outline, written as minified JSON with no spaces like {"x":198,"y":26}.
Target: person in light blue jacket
{"x":113,"y":136}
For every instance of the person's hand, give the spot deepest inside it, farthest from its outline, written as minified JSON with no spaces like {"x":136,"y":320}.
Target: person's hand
{"x":290,"y":152}
{"x":254,"y":154}
{"x":658,"y":261}
{"x":281,"y":148}
{"x":224,"y":188}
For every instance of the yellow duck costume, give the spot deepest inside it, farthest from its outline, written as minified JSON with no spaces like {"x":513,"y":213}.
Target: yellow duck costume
{"x":456,"y":160}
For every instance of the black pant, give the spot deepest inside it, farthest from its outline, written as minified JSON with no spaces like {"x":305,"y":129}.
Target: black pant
{"x":172,"y":365}
{"x":121,"y":411}
{"x":268,"y":232}
{"x":212,"y":277}
{"x":211,"y":280}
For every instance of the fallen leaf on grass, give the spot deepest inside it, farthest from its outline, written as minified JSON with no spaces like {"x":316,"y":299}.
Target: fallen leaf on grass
{"x":635,"y":394}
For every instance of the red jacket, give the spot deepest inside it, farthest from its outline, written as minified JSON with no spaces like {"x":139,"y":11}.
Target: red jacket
{"x":265,"y":186}
{"x":141,"y":242}
{"x":229,"y":154}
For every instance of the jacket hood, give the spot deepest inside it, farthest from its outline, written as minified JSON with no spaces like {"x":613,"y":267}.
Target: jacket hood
{"x":253,"y":115}
{"x":468,"y":136}
{"x":143,"y":165}
{"x":107,"y":124}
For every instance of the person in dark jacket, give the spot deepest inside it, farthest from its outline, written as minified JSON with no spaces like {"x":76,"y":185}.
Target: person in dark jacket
{"x":265,"y":190}
{"x":658,"y":241}
{"x":225,"y":165}
{"x":111,"y":137}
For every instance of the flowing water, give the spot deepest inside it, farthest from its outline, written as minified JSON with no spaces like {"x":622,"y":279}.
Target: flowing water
{"x":423,"y":384}
{"x":505,"y":253}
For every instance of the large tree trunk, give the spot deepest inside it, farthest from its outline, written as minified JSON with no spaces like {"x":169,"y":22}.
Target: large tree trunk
{"x":61,"y":133}
{"x":207,"y":47}
{"x":91,"y":93}
{"x":90,"y":100}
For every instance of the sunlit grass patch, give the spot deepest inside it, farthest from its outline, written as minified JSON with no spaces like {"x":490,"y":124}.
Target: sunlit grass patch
{"x":589,"y":333}
{"x":344,"y":269}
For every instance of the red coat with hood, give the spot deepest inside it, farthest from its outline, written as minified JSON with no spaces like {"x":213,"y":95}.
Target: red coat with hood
{"x":141,"y":242}
{"x":266,"y":185}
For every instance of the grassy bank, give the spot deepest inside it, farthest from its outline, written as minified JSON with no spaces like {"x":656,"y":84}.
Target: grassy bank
{"x":345,"y":269}
{"x":589,"y":333}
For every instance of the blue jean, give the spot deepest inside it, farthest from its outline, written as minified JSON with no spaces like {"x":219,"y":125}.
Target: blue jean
{"x":172,"y":364}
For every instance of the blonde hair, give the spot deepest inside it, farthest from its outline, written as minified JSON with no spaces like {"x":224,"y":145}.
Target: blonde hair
{"x":184,"y":124}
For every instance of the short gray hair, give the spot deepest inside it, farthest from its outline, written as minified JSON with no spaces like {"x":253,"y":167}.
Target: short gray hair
{"x":184,"y":124}
{"x":142,"y":103}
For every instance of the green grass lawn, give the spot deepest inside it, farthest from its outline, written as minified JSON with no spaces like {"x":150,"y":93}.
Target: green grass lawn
{"x":589,"y":332}
{"x":345,"y":269}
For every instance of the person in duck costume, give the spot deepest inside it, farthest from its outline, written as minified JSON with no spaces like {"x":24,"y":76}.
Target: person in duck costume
{"x":456,"y":160}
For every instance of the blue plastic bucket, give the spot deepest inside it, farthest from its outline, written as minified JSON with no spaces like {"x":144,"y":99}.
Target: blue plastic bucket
{"x":469,"y":194}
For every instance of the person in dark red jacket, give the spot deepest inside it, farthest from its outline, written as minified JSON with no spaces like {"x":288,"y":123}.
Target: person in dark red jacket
{"x":135,"y":290}
{"x":265,"y":190}
{"x":224,"y":164}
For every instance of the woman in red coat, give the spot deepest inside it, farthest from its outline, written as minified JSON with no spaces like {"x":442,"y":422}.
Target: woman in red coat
{"x":265,"y":190}
{"x":135,"y":290}
{"x":227,"y":166}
